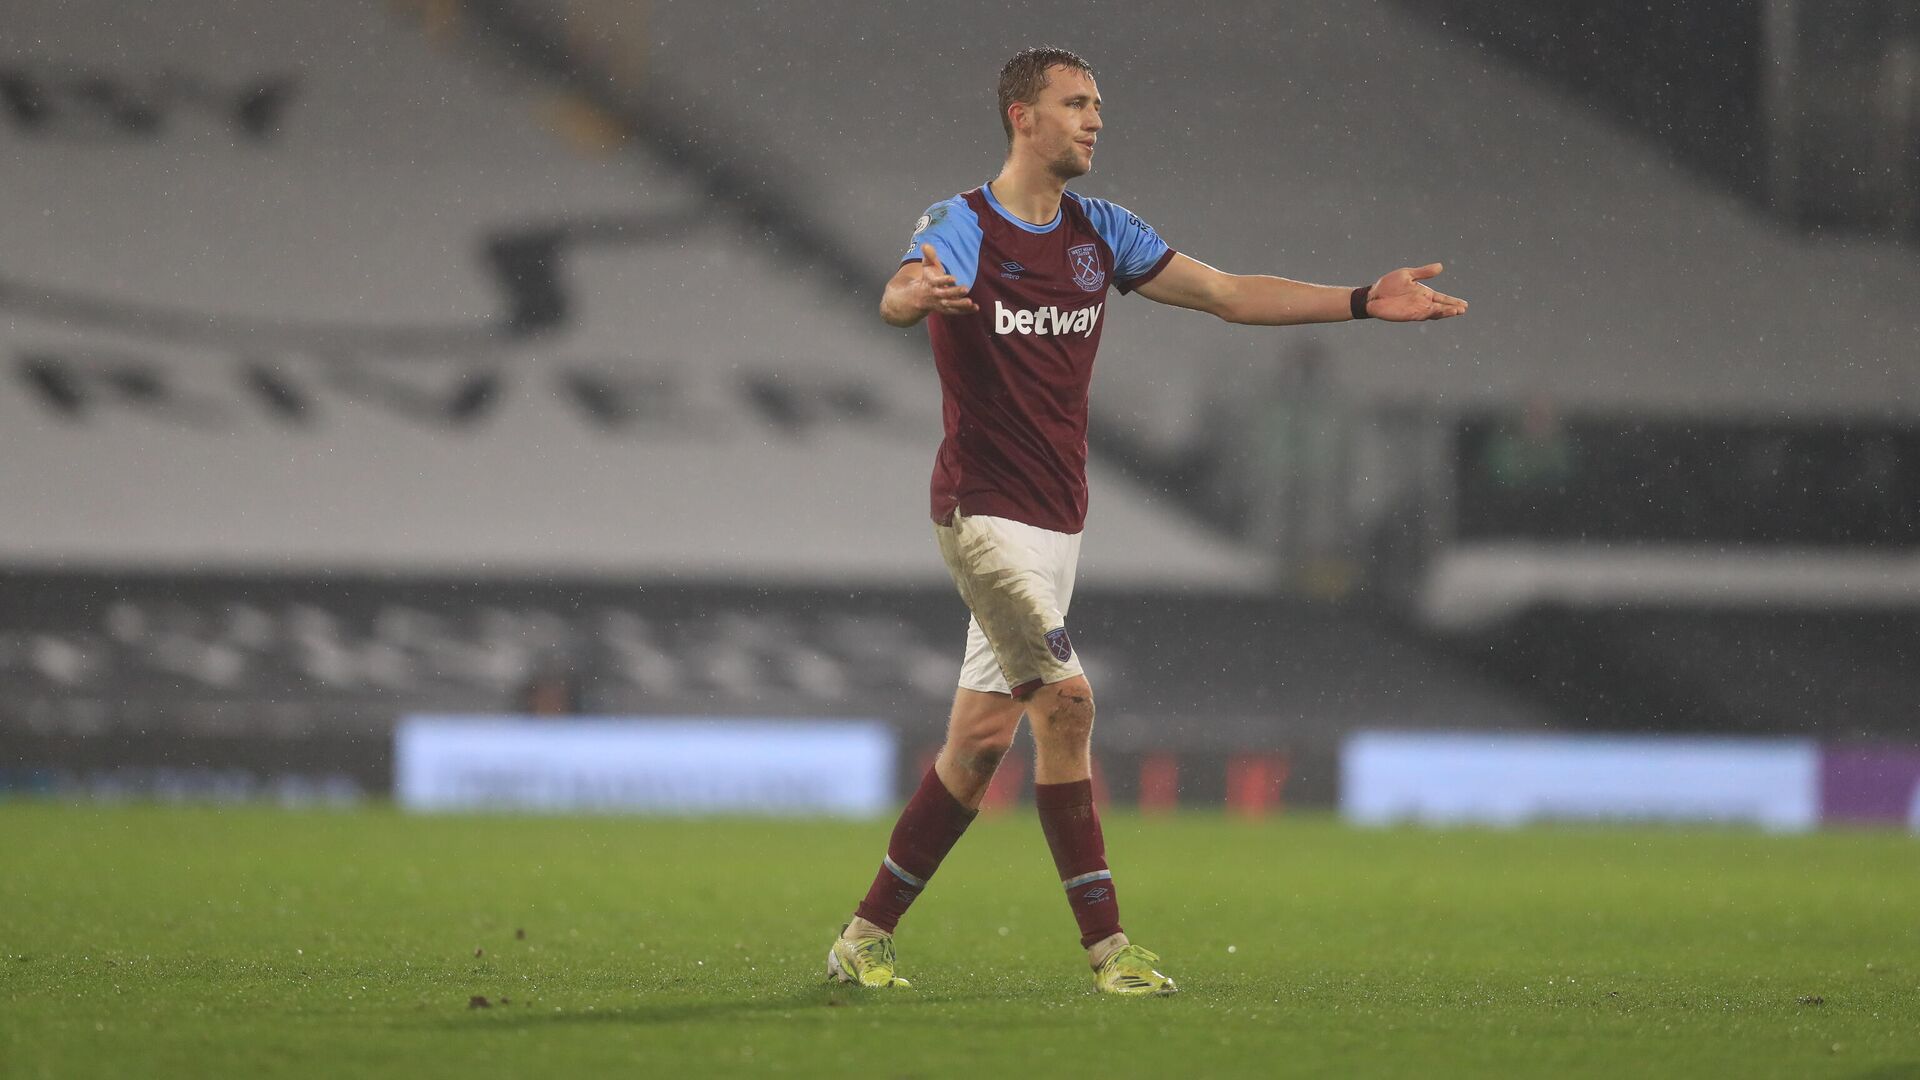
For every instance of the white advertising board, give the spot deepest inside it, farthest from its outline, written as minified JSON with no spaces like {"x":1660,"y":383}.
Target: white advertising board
{"x":1498,"y":779}
{"x":670,"y":766}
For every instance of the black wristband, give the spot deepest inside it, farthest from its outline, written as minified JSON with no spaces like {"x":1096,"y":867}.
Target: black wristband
{"x":1358,"y":302}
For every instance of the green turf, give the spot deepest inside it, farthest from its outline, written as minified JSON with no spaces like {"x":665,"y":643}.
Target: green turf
{"x":160,"y":942}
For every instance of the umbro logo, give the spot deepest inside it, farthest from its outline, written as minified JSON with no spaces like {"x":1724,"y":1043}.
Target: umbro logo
{"x":1094,"y":896}
{"x":1012,"y":270}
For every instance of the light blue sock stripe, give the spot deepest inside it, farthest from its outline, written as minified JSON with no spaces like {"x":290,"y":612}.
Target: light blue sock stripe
{"x":918,"y":883}
{"x":1097,"y":875}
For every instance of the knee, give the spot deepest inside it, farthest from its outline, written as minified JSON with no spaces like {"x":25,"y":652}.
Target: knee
{"x":980,"y":751}
{"x":980,"y":758}
{"x":1069,"y":711}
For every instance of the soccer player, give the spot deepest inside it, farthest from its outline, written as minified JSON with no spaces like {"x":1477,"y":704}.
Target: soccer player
{"x":1012,"y":280}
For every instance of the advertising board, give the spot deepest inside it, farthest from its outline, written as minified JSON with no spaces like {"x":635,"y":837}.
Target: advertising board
{"x":1505,"y":779}
{"x":642,"y":765}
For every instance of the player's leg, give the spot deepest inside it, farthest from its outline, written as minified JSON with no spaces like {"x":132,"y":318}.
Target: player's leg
{"x":1062,"y":715}
{"x":1018,"y":581}
{"x":1061,"y":711}
{"x":1062,"y":718}
{"x":979,"y":730}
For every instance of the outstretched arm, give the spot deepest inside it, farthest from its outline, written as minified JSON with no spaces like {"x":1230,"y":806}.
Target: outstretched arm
{"x":922,"y":289}
{"x":1260,"y":300}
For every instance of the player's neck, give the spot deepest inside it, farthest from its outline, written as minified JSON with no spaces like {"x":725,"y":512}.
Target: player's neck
{"x":1028,"y":192}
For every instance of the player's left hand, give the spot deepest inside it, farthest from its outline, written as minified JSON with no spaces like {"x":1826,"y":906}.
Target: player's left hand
{"x":1399,"y":297}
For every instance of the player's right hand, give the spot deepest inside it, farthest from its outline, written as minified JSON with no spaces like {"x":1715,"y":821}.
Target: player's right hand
{"x":939,"y":293}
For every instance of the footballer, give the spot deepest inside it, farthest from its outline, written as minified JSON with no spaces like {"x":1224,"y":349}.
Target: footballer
{"x":1012,"y":280}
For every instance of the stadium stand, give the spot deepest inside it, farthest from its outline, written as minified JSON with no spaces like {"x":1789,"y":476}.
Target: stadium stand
{"x":1596,"y":261}
{"x":353,"y":372}
{"x":419,"y":320}
{"x":1739,"y":410}
{"x":264,"y":670}
{"x":1322,"y":140}
{"x":413,"y":363}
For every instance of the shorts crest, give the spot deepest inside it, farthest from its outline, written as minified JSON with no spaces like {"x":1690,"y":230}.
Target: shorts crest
{"x":1059,"y":645}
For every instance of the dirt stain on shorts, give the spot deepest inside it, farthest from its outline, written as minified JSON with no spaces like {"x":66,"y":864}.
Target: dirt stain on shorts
{"x":1007,"y":585}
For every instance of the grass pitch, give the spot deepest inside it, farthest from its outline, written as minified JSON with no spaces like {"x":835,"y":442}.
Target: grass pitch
{"x":250,"y":942}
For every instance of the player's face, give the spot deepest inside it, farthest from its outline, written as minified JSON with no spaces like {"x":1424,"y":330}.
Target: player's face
{"x":1066,"y":122}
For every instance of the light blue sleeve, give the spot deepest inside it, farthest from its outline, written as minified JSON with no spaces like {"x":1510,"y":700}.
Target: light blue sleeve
{"x":1138,"y":251}
{"x":954,"y":231}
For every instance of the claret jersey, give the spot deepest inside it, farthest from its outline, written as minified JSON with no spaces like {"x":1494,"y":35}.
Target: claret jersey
{"x":1014,"y":374}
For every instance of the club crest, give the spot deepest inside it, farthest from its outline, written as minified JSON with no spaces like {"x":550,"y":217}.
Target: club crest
{"x":1085,"y":259}
{"x":1058,"y":645}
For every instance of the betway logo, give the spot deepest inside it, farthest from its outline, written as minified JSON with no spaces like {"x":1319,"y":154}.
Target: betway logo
{"x":1046,"y":320}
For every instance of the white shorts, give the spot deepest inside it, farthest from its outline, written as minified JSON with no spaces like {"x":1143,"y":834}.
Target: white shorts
{"x":1017,"y":579}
